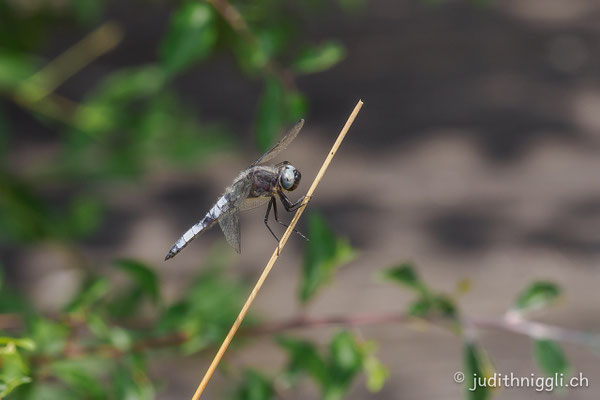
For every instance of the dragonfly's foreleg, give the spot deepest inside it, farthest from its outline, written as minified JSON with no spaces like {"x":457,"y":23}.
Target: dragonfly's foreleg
{"x":287,"y":209}
{"x":287,"y":204}
{"x":271,"y":203}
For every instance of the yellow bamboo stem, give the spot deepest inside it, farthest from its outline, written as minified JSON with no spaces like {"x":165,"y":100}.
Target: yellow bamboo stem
{"x":275,"y":256}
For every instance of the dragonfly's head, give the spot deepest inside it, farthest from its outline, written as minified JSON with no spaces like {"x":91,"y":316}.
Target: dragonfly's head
{"x":289,"y":176}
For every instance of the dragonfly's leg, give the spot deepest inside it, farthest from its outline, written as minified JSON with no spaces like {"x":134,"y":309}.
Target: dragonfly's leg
{"x":287,"y":204}
{"x":271,"y":202}
{"x":277,"y":219}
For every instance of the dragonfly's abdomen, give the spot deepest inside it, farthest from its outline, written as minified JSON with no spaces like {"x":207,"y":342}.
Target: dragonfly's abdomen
{"x":204,"y":224}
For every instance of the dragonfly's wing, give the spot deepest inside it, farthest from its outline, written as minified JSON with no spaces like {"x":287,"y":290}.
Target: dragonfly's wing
{"x":229,"y":219}
{"x":281,"y":145}
{"x":230,"y":225}
{"x":253,"y":202}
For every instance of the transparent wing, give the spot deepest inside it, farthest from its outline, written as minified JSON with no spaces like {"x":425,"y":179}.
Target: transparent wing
{"x":253,"y":202}
{"x":230,"y":225}
{"x":281,"y":145}
{"x":229,"y":220}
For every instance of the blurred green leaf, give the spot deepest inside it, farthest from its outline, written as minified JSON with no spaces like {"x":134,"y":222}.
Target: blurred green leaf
{"x":376,"y":373}
{"x":191,"y":36}
{"x":49,"y":336}
{"x":79,"y":377}
{"x":271,"y":114}
{"x":406,"y":275}
{"x":144,"y":284}
{"x":445,"y":306}
{"x":304,"y":357}
{"x":325,"y":253}
{"x":87,"y":10}
{"x":208,"y":308}
{"x":476,"y":365}
{"x":420,"y":308}
{"x":24,"y":217}
{"x":113,"y":99}
{"x":142,"y":275}
{"x":14,"y":371}
{"x":85,"y":214}
{"x":550,"y":357}
{"x":92,"y":291}
{"x":537,"y":295}
{"x":14,"y":69}
{"x":319,"y":58}
{"x":255,"y":386}
{"x":334,"y":372}
{"x":46,"y":391}
{"x":131,"y":381}
{"x":24,"y":343}
{"x":346,"y":361}
{"x":296,"y":105}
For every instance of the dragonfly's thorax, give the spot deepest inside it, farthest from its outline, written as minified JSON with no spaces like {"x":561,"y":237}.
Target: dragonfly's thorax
{"x":264,"y":181}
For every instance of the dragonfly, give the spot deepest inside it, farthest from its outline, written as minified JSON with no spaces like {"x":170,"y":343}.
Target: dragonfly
{"x":255,"y":186}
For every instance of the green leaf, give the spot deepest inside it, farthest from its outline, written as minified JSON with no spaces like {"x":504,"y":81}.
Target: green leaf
{"x":476,"y":365}
{"x":91,"y":292}
{"x":208,"y":308}
{"x":85,"y":215}
{"x":346,"y":361}
{"x":346,"y":356}
{"x":131,"y":382}
{"x":537,"y":295}
{"x":142,"y":275}
{"x":319,"y":58}
{"x":191,"y":36}
{"x":14,"y":69}
{"x":445,"y":306}
{"x":296,"y":105}
{"x":255,"y":386}
{"x":406,"y":275}
{"x":376,"y":373}
{"x":80,"y":378}
{"x":110,"y":103}
{"x":49,"y":336}
{"x":550,"y":357}
{"x":420,"y":308}
{"x":304,"y":357}
{"x":271,"y":114}
{"x":325,"y":253}
{"x":14,"y":370}
{"x":276,"y":107}
{"x":24,"y":343}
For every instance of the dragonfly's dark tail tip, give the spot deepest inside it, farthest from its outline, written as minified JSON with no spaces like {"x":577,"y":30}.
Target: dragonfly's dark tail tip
{"x":168,"y":256}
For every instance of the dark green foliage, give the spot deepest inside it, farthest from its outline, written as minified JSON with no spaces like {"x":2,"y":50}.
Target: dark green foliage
{"x":333,"y":371}
{"x":550,"y":357}
{"x":319,"y":58}
{"x":191,"y":36}
{"x":325,"y":253}
{"x":255,"y":386}
{"x":406,"y":275}
{"x":476,"y":365}
{"x":537,"y":295}
{"x":428,"y":303}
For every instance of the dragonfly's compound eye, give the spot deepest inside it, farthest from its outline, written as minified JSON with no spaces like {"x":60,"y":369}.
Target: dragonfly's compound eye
{"x":289,"y":178}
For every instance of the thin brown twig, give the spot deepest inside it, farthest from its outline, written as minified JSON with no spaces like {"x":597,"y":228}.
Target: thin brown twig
{"x":518,"y":326}
{"x":276,"y":252}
